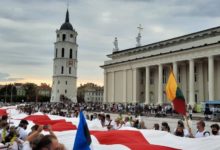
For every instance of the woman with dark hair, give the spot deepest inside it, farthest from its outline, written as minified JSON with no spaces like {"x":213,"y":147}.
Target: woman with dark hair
{"x":179,"y":130}
{"x":165,"y":127}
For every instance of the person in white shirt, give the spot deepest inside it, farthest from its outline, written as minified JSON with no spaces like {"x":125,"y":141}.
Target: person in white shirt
{"x":22,"y":129}
{"x":117,"y":124}
{"x":108,"y":122}
{"x":201,"y":132}
{"x":127,"y":122}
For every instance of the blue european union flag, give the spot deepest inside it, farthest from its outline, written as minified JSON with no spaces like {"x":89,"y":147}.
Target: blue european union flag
{"x":83,"y":138}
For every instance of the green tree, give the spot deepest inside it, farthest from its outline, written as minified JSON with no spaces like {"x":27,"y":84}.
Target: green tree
{"x":7,"y":93}
{"x":30,"y":91}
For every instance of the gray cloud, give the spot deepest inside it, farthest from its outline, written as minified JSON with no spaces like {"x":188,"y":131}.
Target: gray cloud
{"x":27,"y":29}
{"x":6,"y":77}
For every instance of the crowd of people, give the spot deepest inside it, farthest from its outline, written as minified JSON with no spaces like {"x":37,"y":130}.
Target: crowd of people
{"x":16,"y":137}
{"x":182,"y":128}
{"x":68,"y":109}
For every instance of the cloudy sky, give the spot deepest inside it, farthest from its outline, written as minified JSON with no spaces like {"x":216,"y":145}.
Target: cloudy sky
{"x":27,"y":31}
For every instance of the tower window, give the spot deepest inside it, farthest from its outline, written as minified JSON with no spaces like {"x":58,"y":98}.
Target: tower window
{"x":62,"y":70}
{"x":71,"y":53}
{"x":63,"y":52}
{"x":65,"y":91}
{"x":64,"y":37}
{"x":71,"y":35}
{"x":58,"y":35}
{"x":56,"y":52}
{"x":70,"y":70}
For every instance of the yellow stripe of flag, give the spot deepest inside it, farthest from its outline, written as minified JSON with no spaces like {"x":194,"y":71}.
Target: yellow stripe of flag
{"x":171,"y":87}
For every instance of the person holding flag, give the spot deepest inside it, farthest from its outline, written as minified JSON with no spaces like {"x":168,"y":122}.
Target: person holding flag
{"x":175,"y":95}
{"x":83,"y":139}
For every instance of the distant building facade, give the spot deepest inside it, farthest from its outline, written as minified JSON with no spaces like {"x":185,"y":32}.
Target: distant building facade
{"x":20,"y":91}
{"x":44,"y":90}
{"x":139,"y":74}
{"x":90,"y":92}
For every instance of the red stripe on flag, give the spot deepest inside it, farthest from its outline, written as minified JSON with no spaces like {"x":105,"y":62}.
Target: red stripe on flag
{"x":132,"y":139}
{"x":179,"y":106}
{"x":37,"y":117}
{"x":3,"y":112}
{"x":56,"y":125}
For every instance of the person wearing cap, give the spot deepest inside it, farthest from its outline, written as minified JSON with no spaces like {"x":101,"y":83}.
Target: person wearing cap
{"x":22,"y":129}
{"x":215,"y":129}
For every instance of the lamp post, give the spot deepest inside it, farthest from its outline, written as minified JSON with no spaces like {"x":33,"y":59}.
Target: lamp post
{"x":6,"y":93}
{"x":11,"y":92}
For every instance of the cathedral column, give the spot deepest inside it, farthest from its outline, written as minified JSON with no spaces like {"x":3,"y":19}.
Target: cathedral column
{"x":191,"y":82}
{"x":160,"y":85}
{"x":147,"y":85}
{"x":211,"y":77}
{"x":124,"y":86}
{"x":113,"y":87}
{"x":105,"y":87}
{"x":175,"y":69}
{"x":134,"y":85}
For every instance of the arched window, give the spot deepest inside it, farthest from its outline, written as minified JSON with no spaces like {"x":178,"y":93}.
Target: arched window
{"x":70,"y":71}
{"x":64,"y":37}
{"x":71,"y":53}
{"x":56,"y":53}
{"x":62,"y":70}
{"x":63,"y":52}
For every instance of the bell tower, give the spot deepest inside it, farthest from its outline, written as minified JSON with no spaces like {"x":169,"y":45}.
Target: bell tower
{"x":65,"y":63}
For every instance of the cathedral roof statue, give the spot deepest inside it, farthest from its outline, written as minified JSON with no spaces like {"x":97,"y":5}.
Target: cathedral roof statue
{"x":66,"y":25}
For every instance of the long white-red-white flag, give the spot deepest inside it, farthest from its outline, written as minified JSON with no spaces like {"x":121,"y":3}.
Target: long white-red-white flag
{"x":123,"y":139}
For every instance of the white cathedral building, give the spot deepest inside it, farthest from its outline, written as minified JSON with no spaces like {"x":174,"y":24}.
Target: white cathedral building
{"x":139,"y":74}
{"x":65,"y":63}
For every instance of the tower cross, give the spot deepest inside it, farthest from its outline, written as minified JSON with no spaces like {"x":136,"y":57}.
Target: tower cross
{"x":140,"y":28}
{"x":138,"y":38}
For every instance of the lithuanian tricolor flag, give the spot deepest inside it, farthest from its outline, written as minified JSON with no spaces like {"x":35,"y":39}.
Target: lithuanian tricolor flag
{"x":175,"y":95}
